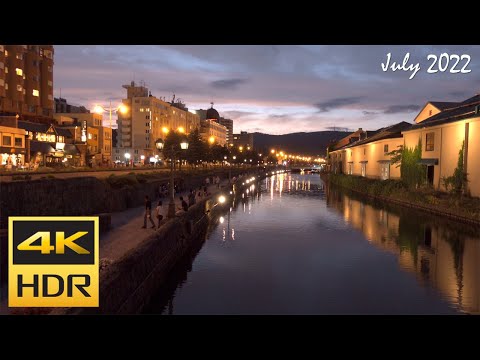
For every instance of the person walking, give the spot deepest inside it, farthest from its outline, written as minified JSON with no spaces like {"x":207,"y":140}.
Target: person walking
{"x":184,"y":204}
{"x":148,"y":213}
{"x":191,"y":198}
{"x":159,"y":212}
{"x":218,"y":182}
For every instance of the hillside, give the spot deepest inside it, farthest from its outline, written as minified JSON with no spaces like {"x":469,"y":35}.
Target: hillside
{"x":305,"y":143}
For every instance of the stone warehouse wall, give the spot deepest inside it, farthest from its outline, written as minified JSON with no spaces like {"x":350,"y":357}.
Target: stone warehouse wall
{"x":77,"y":196}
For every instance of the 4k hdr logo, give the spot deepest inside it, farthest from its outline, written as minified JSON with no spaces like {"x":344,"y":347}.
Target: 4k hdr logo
{"x":53,"y":261}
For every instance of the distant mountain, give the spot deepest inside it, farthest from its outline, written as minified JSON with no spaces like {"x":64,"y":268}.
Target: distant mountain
{"x":304,"y":143}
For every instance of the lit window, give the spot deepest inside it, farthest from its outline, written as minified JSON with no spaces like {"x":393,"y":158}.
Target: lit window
{"x":6,"y":70}
{"x":19,"y":56}
{"x":1,"y":48}
{"x":385,"y":148}
{"x":18,"y":142}
{"x":23,"y":91}
{"x":19,"y":87}
{"x":6,"y":52}
{"x":2,"y":65}
{"x":35,"y":93}
{"x":2,"y":82}
{"x":6,"y":86}
{"x":50,"y":83}
{"x":89,"y":136}
{"x":141,"y":109}
{"x":49,"y":69}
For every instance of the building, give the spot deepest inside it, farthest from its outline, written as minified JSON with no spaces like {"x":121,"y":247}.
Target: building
{"x":442,"y":130}
{"x":244,"y":140}
{"x":148,"y":119}
{"x":49,"y":145}
{"x":97,"y":137}
{"x":12,"y":144}
{"x":368,"y":156}
{"x":61,"y":106}
{"x":213,"y":132}
{"x":228,"y":123}
{"x":26,"y":81}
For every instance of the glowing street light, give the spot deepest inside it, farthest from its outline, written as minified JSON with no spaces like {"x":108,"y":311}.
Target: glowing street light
{"x":272,"y":151}
{"x":240,"y":148}
{"x":211,"y":139}
{"x":222,"y":199}
{"x":181,"y":130}
{"x":99,"y":109}
{"x":165,"y":130}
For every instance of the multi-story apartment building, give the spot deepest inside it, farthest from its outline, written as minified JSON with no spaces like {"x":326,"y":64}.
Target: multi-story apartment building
{"x":146,"y":120}
{"x":213,"y":132}
{"x":228,"y":123}
{"x":244,"y":140}
{"x":26,"y":81}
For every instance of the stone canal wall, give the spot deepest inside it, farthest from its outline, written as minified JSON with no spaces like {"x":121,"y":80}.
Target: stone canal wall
{"x":126,"y":286}
{"x":461,"y":209}
{"x":81,"y":196}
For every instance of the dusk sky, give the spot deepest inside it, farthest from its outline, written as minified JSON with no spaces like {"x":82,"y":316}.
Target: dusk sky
{"x":271,"y":89}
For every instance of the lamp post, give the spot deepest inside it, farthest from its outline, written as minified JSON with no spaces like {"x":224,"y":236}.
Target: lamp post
{"x":127,"y":158}
{"x":142,"y":157}
{"x":184,"y":146}
{"x":99,"y":109}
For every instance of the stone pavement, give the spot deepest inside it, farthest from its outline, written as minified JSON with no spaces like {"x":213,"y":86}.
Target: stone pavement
{"x":127,"y":232}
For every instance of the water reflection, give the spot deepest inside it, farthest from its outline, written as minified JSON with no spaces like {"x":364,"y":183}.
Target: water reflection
{"x":440,"y":253}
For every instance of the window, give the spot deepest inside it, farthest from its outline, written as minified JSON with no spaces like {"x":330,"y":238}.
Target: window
{"x":2,"y":82}
{"x":6,"y":70}
{"x":23,"y":91}
{"x":6,"y":86}
{"x":430,"y":141}
{"x":148,"y":109}
{"x":35,"y":63}
{"x":18,"y":142}
{"x":6,"y":141}
{"x":19,"y":56}
{"x":147,"y":117}
{"x":142,"y":109}
{"x":146,"y":124}
{"x":136,"y":151}
{"x":49,"y":69}
{"x":2,"y":65}
{"x":89,"y":136}
{"x":364,"y":151}
{"x":117,"y":151}
{"x":385,"y":148}
{"x":147,"y":131}
{"x":1,"y":48}
{"x":48,"y":54}
{"x":350,"y":168}
{"x":35,"y":78}
{"x":50,"y":83}
{"x":50,"y":97}
{"x":430,"y":113}
{"x":106,"y":148}
{"x":35,"y":93}
{"x":6,"y":52}
{"x":19,"y":87}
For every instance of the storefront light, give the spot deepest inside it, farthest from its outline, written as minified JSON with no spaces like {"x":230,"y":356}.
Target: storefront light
{"x":60,"y":146}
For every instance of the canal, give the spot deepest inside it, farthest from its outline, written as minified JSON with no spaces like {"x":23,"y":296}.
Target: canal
{"x":297,"y":246}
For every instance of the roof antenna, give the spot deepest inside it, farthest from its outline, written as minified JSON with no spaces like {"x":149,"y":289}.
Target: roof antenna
{"x":212,"y":104}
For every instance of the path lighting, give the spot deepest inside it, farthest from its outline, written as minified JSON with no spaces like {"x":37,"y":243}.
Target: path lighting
{"x":234,"y":158}
{"x":222,"y":199}
{"x":99,"y":109}
{"x":221,"y":219}
{"x":272,"y":151}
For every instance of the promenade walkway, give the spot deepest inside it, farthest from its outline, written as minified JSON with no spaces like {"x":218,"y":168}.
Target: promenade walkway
{"x":127,"y":232}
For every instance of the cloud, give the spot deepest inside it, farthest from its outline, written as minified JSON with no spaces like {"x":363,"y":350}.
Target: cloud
{"x":337,"y":103}
{"x":395,"y":109}
{"x":236,"y":114}
{"x":369,"y":113}
{"x":228,"y":84}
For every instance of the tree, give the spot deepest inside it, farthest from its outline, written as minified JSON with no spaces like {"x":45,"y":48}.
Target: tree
{"x":172,"y":147}
{"x":396,"y":156}
{"x":197,"y":148}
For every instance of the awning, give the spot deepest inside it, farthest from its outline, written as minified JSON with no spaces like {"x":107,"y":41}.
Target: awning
{"x":384,"y":161}
{"x":363,"y":161}
{"x":428,"y":161}
{"x":350,"y":162}
{"x":41,"y":147}
{"x":71,"y":149}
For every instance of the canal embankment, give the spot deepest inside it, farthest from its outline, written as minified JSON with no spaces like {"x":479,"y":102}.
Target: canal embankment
{"x":127,"y":282}
{"x":459,"y":208}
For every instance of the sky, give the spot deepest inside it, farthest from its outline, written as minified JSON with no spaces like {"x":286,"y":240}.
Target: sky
{"x":269,"y":88}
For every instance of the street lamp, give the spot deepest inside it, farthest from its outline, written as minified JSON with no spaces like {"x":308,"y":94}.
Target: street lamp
{"x":159,"y":144}
{"x":142,"y":157}
{"x":127,"y":157}
{"x":99,"y":109}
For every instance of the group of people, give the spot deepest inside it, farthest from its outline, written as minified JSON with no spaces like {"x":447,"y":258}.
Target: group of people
{"x":215,"y":181}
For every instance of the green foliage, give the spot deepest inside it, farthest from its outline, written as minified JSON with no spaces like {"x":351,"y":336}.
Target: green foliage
{"x":122,"y":181}
{"x":412,"y":173}
{"x":457,"y":182}
{"x":197,"y":148}
{"x":396,"y":156}
{"x":172,"y":145}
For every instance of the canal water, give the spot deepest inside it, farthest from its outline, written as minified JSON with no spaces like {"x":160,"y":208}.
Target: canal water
{"x":297,"y":246}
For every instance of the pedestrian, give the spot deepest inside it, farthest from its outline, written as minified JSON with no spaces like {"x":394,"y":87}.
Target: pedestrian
{"x":207,"y":181}
{"x":159,"y":212}
{"x":205,"y":191}
{"x":218,"y":182}
{"x":191,"y":198}
{"x":148,"y":213}
{"x":184,"y":204}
